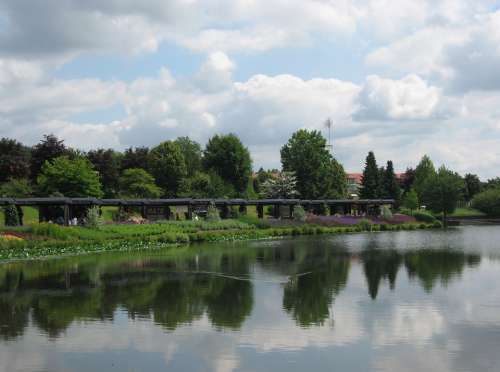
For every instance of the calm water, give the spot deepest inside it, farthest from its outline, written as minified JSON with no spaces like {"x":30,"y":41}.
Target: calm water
{"x":409,"y":301}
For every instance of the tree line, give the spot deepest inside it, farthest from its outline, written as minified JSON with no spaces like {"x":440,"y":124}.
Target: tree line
{"x":173,"y":168}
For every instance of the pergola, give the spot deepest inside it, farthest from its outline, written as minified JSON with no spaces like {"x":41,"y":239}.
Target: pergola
{"x":161,"y":208}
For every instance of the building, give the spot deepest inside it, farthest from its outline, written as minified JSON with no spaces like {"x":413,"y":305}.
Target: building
{"x":354,"y":181}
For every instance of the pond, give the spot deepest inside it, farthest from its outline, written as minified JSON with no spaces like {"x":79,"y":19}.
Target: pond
{"x":405,"y":301}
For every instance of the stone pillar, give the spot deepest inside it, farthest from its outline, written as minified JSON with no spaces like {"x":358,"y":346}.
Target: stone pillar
{"x":143,"y":211}
{"x":225,"y":211}
{"x":66,"y":214}
{"x":260,"y":211}
{"x":332,"y":209}
{"x":189,"y":212}
{"x":167,"y":212}
{"x":277,"y":211}
{"x":292,"y":207}
{"x":243,"y":209}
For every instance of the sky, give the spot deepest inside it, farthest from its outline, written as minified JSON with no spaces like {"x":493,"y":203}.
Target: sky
{"x":401,"y":78}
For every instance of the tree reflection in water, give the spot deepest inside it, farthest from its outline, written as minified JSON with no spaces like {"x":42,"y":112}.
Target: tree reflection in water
{"x":178,"y":289}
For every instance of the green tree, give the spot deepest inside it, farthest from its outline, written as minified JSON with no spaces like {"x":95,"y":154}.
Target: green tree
{"x":107,"y":163}
{"x":70,"y":177}
{"x":135,"y":158}
{"x":424,"y":170}
{"x":472,"y":186}
{"x":192,"y":152}
{"x":16,"y":188}
{"x":14,"y":160}
{"x":137,"y":183}
{"x":390,"y":186}
{"x":370,"y":183}
{"x":408,"y":179}
{"x":441,"y":192}
{"x":488,"y":202}
{"x":410,"y":200}
{"x":49,"y":148}
{"x":284,"y":186}
{"x":318,"y":174}
{"x":168,"y":167}
{"x":229,"y":159}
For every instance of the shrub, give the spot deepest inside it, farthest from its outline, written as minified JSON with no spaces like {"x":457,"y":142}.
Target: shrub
{"x":424,"y":217}
{"x":11,"y":215}
{"x":386,"y":212}
{"x":93,"y":218}
{"x":488,"y":202}
{"x":437,"y":224}
{"x":51,"y":230}
{"x":299,"y":214}
{"x":364,"y":225}
{"x":212,"y":213}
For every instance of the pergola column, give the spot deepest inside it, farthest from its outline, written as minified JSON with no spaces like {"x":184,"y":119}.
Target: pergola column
{"x":260,"y":211}
{"x":277,"y":211}
{"x":292,"y":207}
{"x":242,"y":209}
{"x":66,"y":214}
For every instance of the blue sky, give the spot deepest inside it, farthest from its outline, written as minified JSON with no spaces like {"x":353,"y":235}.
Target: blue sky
{"x":403,"y":78}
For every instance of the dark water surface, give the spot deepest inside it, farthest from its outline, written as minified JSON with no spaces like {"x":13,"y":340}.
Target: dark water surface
{"x":406,"y":301}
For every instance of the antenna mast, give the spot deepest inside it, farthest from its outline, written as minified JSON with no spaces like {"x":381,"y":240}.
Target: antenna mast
{"x":329,"y":125}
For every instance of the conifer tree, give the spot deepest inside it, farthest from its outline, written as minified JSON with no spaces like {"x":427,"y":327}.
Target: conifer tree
{"x":370,"y":184}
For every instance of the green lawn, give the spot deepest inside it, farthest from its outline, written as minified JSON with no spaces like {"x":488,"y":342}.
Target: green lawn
{"x":466,"y":212}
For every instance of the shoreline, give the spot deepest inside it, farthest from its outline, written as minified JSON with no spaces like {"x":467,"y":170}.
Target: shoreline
{"x":48,"y":244}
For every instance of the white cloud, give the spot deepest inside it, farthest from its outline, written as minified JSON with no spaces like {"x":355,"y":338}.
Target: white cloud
{"x":409,"y":98}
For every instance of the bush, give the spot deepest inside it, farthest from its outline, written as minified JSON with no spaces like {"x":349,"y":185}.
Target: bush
{"x":386,"y":212}
{"x":424,"y":217}
{"x":11,"y":216}
{"x":93,"y":218}
{"x":488,"y":202}
{"x":212,"y":213}
{"x":364,"y":225}
{"x":299,"y":214}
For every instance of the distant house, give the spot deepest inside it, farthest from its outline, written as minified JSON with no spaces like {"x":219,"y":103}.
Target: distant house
{"x":354,"y":181}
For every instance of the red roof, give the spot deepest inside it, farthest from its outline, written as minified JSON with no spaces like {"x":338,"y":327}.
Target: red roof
{"x":356,"y":177}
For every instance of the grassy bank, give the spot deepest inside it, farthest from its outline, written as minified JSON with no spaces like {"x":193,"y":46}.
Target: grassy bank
{"x":42,"y":240}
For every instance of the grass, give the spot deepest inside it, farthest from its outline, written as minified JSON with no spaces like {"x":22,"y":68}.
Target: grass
{"x":41,"y":240}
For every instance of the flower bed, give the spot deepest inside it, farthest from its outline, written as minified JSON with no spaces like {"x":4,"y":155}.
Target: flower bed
{"x":353,"y":220}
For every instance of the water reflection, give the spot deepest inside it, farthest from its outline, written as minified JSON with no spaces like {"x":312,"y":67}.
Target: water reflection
{"x":176,"y":289}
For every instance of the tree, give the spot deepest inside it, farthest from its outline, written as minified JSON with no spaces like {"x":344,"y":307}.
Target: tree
{"x":408,"y":179}
{"x":191,"y":151}
{"x":441,"y":192}
{"x":135,"y":158}
{"x":168,"y":167}
{"x":281,"y":187}
{"x":493,"y":183}
{"x":70,"y":177}
{"x":488,"y":202}
{"x":14,"y":160}
{"x":472,"y":186}
{"x":49,"y":148}
{"x":227,"y":157}
{"x":205,"y":185}
{"x":424,"y":170}
{"x":107,"y":163}
{"x":390,"y":186}
{"x":318,"y":174}
{"x":16,"y":188}
{"x":137,"y":183}
{"x":370,"y":183}
{"x":410,"y":200}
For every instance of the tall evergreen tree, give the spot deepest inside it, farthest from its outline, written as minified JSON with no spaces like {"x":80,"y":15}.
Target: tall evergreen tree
{"x":49,"y":148}
{"x":408,"y":179}
{"x":370,"y":183}
{"x":472,"y":186}
{"x":390,"y":186}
